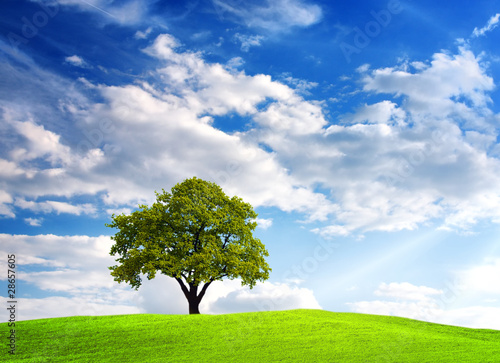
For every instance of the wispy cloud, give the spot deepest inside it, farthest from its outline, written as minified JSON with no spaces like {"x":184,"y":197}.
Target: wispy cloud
{"x":248,"y":41}
{"x":126,"y":13}
{"x":143,"y":34}
{"x":492,"y":24}
{"x":274,"y":16}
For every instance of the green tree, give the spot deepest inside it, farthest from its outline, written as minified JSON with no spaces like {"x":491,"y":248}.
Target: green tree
{"x":195,"y":234}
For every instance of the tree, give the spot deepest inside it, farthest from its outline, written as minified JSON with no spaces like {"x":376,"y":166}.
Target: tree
{"x":195,"y":234}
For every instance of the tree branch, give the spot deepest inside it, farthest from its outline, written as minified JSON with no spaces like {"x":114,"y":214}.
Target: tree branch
{"x":203,"y":290}
{"x":183,"y":287}
{"x":226,"y":240}
{"x":197,"y":237}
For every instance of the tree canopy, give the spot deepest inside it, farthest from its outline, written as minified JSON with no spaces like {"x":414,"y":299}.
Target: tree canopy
{"x":195,"y":234}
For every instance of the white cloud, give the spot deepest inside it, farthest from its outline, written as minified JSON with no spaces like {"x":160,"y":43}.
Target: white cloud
{"x":125,"y":12}
{"x":248,"y":41}
{"x":55,"y":206}
{"x":143,"y":34}
{"x":58,"y":306}
{"x":395,"y":166}
{"x":477,"y":317}
{"x":433,"y":90}
{"x":406,"y":291}
{"x":119,"y":211}
{"x":460,"y":303}
{"x":302,"y":86}
{"x":483,"y":279}
{"x":5,"y":208}
{"x":274,"y":16}
{"x":391,"y":165}
{"x":492,"y":24}
{"x":77,"y":61}
{"x":231,"y":297}
{"x":34,"y":222}
{"x":264,"y":223}
{"x":384,"y":112}
{"x":40,"y":143}
{"x":78,"y":266}
{"x":234,"y":63}
{"x":418,"y":310}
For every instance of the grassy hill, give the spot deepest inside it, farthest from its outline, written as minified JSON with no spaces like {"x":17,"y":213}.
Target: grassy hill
{"x":284,"y":336}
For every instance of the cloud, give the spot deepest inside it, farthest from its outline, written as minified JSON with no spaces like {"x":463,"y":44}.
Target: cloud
{"x":75,"y":270}
{"x":273,"y":16}
{"x":248,"y":41}
{"x":5,"y":208}
{"x":99,"y":154}
{"x":55,"y":206}
{"x":460,"y":303}
{"x":492,"y":24}
{"x":231,"y":297}
{"x":140,"y":138}
{"x":406,"y":291}
{"x":435,"y":90}
{"x":422,"y":153}
{"x":58,"y":306}
{"x":126,"y":13}
{"x":34,"y":222}
{"x":384,"y":112}
{"x":143,"y":34}
{"x":77,"y":61}
{"x":302,"y":86}
{"x":405,"y":160}
{"x":264,"y":223}
{"x":483,"y":279}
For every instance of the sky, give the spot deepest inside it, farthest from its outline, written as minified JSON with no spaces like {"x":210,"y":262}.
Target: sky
{"x":366,"y":138}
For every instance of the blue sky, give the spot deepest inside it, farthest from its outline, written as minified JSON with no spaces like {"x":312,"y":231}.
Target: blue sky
{"x":366,"y":137}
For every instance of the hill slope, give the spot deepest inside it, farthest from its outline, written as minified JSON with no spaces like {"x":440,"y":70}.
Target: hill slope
{"x":296,"y":335}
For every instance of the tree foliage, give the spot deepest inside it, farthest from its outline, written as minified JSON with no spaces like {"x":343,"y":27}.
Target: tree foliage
{"x":195,"y":234}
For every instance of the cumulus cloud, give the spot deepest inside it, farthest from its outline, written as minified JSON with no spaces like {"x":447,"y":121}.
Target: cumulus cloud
{"x":384,"y":112}
{"x":231,"y":297}
{"x":141,"y":138}
{"x":58,"y":307}
{"x":482,"y":279}
{"x":394,"y":166}
{"x":264,"y":223}
{"x":75,"y":270}
{"x":437,"y":89}
{"x":406,"y":291}
{"x":461,"y":302}
{"x":422,"y":152}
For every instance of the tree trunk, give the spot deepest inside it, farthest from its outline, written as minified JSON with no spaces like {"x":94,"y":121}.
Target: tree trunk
{"x":193,"y":299}
{"x":194,"y":306}
{"x":192,"y":296}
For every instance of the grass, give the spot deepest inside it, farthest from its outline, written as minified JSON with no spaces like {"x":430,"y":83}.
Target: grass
{"x":282,"y":336}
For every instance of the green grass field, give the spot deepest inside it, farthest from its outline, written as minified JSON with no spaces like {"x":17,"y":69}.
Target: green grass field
{"x":284,"y":336}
